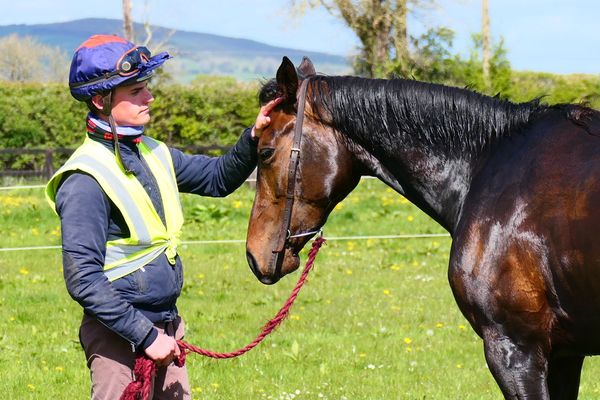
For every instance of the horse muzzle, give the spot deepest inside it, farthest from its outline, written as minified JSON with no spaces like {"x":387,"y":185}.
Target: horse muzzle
{"x":277,"y":266}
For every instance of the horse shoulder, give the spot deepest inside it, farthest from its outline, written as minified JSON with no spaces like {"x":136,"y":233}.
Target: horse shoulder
{"x":522,"y":251}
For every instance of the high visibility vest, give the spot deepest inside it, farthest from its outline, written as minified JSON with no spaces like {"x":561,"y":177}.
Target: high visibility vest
{"x":149,"y":237}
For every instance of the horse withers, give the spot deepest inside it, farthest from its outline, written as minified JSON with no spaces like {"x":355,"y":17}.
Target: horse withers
{"x":516,"y":185}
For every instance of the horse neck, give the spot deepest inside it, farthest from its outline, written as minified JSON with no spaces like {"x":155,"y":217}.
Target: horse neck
{"x":434,"y":182}
{"x":426,"y":141}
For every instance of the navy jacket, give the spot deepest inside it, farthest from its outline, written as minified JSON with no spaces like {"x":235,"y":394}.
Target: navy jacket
{"x":131,"y":305}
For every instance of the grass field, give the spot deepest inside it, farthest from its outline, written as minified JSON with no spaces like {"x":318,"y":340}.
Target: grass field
{"x":376,"y":320}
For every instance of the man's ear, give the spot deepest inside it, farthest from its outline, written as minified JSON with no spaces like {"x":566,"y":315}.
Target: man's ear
{"x":98,"y":101}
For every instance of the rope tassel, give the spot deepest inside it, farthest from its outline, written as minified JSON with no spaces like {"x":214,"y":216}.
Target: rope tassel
{"x":145,"y":369}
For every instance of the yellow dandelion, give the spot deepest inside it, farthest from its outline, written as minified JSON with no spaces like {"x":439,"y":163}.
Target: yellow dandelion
{"x":407,"y":340}
{"x":459,"y":366}
{"x":348,"y":272}
{"x":197,"y":390}
{"x":35,"y":231}
{"x":408,"y":349}
{"x":215,"y":385}
{"x":59,"y":369}
{"x":339,"y":206}
{"x":403,"y":200}
{"x":362,"y":355}
{"x":350,"y":246}
{"x":386,"y":292}
{"x":395,"y":267}
{"x":237,"y":204}
{"x":295,"y":317}
{"x":24,"y":271}
{"x":410,"y":218}
{"x":31,"y":387}
{"x":439,"y":325}
{"x":462,"y":327}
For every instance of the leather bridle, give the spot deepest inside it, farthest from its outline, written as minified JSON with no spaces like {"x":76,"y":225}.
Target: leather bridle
{"x":284,"y":233}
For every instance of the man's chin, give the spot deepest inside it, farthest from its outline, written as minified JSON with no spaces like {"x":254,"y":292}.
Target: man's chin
{"x":144,"y":118}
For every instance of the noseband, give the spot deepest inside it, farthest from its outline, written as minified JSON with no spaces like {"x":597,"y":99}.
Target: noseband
{"x":284,"y":234}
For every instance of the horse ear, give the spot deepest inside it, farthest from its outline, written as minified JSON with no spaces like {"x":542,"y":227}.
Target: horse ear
{"x":287,"y":81}
{"x":307,"y":68}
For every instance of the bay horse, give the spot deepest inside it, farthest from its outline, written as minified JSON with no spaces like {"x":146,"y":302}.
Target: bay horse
{"x":516,"y":186}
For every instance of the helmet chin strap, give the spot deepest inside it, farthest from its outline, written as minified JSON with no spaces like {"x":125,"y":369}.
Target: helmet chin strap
{"x":107,"y":110}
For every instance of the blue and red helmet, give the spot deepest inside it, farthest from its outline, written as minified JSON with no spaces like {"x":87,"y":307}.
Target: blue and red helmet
{"x":104,"y":62}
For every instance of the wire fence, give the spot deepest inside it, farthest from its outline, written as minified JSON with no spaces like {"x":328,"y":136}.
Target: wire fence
{"x":42,"y":163}
{"x":238,"y":241}
{"x":230,"y":241}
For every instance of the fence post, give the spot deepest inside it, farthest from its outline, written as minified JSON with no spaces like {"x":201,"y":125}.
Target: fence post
{"x":48,"y":167}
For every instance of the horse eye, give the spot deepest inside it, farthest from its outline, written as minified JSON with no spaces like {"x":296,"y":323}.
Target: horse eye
{"x":265,"y":154}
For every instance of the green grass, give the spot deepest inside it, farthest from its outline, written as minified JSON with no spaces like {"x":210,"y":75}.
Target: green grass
{"x":376,"y":319}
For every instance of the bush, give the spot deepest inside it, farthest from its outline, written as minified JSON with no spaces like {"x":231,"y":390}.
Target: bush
{"x":212,"y":110}
{"x":553,"y":89}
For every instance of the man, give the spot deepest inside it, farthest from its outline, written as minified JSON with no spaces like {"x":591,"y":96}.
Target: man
{"x":117,"y":198}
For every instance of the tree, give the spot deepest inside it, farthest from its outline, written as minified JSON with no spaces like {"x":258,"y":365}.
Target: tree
{"x":381,"y":27}
{"x":128,"y":31}
{"x":469,"y":72}
{"x":485,"y":32}
{"x":24,"y":59}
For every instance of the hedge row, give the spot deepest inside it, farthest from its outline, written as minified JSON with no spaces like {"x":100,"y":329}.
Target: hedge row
{"x":210,"y":112}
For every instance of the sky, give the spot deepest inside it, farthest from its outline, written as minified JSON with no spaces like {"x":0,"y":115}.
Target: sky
{"x":559,"y":36}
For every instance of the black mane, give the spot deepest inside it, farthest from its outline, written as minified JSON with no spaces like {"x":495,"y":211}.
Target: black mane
{"x":373,"y":111}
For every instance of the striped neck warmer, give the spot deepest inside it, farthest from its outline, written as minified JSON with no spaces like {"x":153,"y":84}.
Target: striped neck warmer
{"x":98,"y":127}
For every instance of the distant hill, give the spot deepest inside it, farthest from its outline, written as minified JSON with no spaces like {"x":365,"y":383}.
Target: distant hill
{"x":194,"y":53}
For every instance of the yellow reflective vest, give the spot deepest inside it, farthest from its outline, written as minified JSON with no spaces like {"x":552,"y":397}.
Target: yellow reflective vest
{"x":149,"y":237}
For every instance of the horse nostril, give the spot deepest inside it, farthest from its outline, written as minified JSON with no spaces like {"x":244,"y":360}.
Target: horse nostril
{"x":252,"y":263}
{"x":267,"y":280}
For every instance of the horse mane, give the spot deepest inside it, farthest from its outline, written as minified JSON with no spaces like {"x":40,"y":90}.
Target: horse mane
{"x":374,"y":112}
{"x":452,"y":119}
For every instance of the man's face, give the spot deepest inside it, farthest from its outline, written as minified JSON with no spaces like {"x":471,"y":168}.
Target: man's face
{"x":131,"y":104}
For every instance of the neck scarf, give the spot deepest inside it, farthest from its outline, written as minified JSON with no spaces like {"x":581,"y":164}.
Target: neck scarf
{"x":98,"y":127}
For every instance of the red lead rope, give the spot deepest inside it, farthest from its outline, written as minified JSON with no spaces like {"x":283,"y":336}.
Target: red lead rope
{"x":145,"y":369}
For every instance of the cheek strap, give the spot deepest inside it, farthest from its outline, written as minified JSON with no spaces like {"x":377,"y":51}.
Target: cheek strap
{"x":106,"y":110}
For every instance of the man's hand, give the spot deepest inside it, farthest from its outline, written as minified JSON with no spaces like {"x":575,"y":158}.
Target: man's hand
{"x":163,"y":350}
{"x":263,"y":120}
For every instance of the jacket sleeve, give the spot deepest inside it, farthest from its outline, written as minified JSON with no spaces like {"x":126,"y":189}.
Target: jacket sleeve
{"x":84,"y":211}
{"x":216,"y":176}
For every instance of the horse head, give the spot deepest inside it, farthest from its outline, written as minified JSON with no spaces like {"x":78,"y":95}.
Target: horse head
{"x":301,"y":176}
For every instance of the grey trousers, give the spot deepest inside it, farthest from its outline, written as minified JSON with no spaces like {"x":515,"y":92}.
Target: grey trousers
{"x":111,"y":360}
